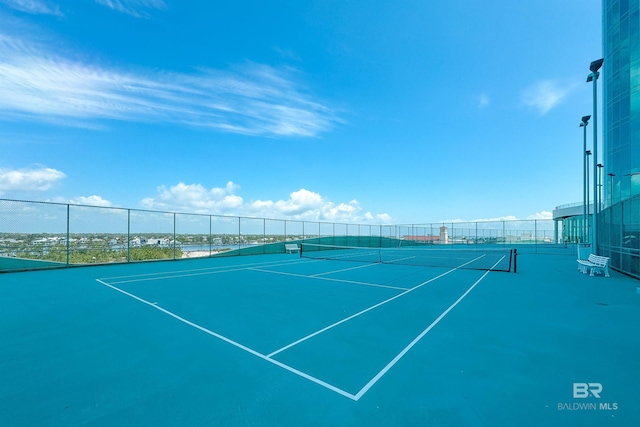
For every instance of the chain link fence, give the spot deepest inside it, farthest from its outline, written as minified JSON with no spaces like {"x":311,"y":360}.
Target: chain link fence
{"x":619,"y":235}
{"x":37,"y":235}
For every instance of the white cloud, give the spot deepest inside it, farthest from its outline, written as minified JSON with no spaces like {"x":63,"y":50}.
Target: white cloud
{"x":498,"y":218}
{"x":384,"y":218}
{"x":483,"y":101}
{"x":541,"y":215}
{"x":544,"y":95}
{"x":251,"y":99}
{"x":195,"y":198}
{"x":302,"y":204}
{"x":91,"y":201}
{"x":29,"y":179}
{"x":35,"y":7}
{"x":137,"y":8}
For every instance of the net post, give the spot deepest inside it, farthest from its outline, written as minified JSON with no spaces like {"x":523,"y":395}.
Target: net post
{"x":515,"y":260}
{"x":301,"y":244}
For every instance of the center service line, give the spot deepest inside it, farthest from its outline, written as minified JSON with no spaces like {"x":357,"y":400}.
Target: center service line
{"x":419,"y":337}
{"x":367,"y":309}
{"x":375,"y":285}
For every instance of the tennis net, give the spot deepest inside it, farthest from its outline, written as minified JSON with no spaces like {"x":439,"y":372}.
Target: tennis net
{"x":494,"y":259}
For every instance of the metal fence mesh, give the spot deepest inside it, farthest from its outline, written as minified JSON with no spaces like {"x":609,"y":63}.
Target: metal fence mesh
{"x":36,"y":235}
{"x":619,"y":235}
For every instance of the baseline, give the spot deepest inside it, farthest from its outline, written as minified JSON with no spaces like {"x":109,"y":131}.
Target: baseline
{"x":194,"y":272}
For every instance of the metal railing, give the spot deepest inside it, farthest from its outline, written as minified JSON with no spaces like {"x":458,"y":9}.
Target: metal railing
{"x":35,"y":235}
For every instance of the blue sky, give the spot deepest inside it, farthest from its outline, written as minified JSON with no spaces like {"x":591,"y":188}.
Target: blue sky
{"x":399,"y":111}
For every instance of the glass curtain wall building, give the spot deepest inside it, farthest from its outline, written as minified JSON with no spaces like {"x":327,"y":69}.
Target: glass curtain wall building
{"x":619,"y":221}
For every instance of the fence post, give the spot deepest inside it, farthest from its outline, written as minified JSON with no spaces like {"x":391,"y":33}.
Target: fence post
{"x":68,"y":232}
{"x":333,"y":238}
{"x":174,"y":235}
{"x":128,"y":235}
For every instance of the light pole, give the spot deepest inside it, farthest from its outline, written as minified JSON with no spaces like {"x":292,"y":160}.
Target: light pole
{"x":587,"y":154}
{"x":600,"y":166}
{"x":611,"y":175}
{"x":585,"y":181}
{"x":594,"y":67}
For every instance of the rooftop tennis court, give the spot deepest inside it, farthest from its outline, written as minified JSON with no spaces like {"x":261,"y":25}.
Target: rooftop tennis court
{"x":277,"y":339}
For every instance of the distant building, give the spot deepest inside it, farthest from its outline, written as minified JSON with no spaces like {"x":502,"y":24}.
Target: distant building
{"x":574,"y":228}
{"x":422,"y":239}
{"x":444,"y":235}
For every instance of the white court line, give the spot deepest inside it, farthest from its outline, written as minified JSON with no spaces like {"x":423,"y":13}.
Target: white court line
{"x":345,"y":269}
{"x":187,"y":274}
{"x":395,"y":360}
{"x":399,"y":259}
{"x":374,"y":285}
{"x":366,"y":310}
{"x":234,"y":343}
{"x":253,"y":264}
{"x":331,"y":387}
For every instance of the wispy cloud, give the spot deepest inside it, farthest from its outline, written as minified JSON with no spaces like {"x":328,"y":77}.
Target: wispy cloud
{"x":29,"y":179}
{"x":35,"y":7}
{"x":544,"y":95}
{"x":483,"y":101}
{"x":137,"y":8}
{"x":90,"y":201}
{"x":498,"y":218}
{"x":541,"y":215}
{"x":250,"y":99}
{"x":302,"y":204}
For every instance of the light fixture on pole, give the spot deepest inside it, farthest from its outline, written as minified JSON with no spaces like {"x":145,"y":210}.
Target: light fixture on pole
{"x":600,"y":166}
{"x":588,"y":236}
{"x":594,"y":67}
{"x":585,"y":182}
{"x":611,"y":175}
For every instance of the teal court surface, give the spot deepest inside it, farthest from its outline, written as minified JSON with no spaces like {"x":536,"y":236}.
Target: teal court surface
{"x":279,"y":340}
